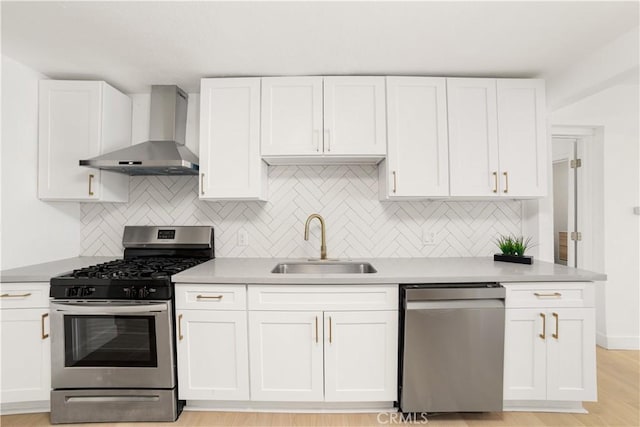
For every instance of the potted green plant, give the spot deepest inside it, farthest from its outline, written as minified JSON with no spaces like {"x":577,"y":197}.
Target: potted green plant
{"x":513,"y":249}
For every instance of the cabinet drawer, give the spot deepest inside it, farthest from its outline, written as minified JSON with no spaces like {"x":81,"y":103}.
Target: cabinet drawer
{"x":24,"y":295}
{"x":323,"y":297}
{"x":553,"y":294}
{"x":211,"y":297}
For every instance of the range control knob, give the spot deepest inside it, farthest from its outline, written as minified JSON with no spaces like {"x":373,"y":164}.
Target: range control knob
{"x":143,"y":292}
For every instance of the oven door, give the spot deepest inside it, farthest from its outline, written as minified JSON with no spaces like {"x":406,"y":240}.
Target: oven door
{"x":112,"y":344}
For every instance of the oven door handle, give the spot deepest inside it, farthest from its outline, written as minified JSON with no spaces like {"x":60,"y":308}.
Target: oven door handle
{"x":107,"y":309}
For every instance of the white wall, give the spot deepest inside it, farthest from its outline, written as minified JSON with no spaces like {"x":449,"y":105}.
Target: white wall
{"x":32,"y":231}
{"x":616,"y":111}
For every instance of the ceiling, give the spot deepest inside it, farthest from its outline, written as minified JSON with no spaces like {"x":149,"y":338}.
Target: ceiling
{"x":135,"y":44}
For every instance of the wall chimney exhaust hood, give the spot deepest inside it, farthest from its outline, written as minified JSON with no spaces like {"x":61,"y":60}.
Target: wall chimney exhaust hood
{"x":165,"y":153}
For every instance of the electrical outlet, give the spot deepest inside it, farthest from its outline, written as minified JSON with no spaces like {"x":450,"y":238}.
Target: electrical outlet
{"x":243,"y":237}
{"x":428,"y":237}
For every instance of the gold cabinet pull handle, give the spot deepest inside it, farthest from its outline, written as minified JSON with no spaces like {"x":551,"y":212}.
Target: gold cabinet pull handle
{"x":218,"y":297}
{"x":553,"y":295}
{"x":495,"y":182}
{"x":395,"y":181}
{"x":557,"y":334}
{"x":44,"y":316}
{"x":90,"y":183}
{"x":202,"y":183}
{"x":28,"y":294}
{"x":543,"y":335}
{"x":506,"y":181}
{"x":330,"y":331}
{"x":180,"y":337}
{"x":316,"y":329}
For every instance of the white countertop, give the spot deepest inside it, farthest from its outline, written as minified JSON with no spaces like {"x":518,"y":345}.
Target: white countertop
{"x":390,"y":270}
{"x":45,"y":271}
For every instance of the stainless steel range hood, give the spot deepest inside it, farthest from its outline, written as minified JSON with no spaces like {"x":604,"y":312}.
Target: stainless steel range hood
{"x":165,"y":153}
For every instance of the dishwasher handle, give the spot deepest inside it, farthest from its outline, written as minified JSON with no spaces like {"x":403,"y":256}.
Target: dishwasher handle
{"x":431,"y":293}
{"x":454,"y":304}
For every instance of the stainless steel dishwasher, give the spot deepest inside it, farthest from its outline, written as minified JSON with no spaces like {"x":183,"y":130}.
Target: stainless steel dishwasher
{"x":452,"y":347}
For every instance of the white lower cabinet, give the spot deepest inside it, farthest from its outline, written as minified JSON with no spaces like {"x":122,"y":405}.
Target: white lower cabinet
{"x":212,"y":345}
{"x":286,"y":355}
{"x":26,"y":347}
{"x":550,"y":348}
{"x":320,"y":353}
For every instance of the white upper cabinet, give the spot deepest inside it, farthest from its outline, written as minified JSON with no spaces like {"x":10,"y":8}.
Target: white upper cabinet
{"x":323,"y":119}
{"x":497,"y":139}
{"x":354,"y":116}
{"x":291,"y":115}
{"x":417,"y":164}
{"x":79,"y":120}
{"x":522,"y":137}
{"x":230,"y":163}
{"x":473,"y":137}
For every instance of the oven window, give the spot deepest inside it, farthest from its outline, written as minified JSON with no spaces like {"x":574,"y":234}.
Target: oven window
{"x":110,"y":341}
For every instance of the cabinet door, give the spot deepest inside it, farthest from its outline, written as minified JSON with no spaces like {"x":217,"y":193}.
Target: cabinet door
{"x":522,"y":137}
{"x":354,"y":116}
{"x":473,"y":139}
{"x":291,"y":116}
{"x":213,"y":356}
{"x":230,"y":163}
{"x":26,"y":355}
{"x":286,"y":356}
{"x":69,"y":131}
{"x":571,"y":354}
{"x":361,"y":356}
{"x":525,"y":367}
{"x":418,"y":157}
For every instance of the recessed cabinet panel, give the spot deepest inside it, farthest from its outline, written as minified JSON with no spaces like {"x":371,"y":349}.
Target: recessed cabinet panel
{"x":525,"y":371}
{"x":79,"y":120}
{"x":291,"y":115}
{"x":361,"y":355}
{"x":286,"y":356}
{"x":354,"y":115}
{"x":417,"y":164}
{"x":522,"y":137}
{"x":473,"y":139}
{"x":230,"y":163}
{"x":26,"y":355}
{"x":572,"y":363}
{"x":213,"y":355}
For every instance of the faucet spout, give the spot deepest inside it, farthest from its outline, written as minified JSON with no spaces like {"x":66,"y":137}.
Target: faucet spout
{"x":323,"y":241}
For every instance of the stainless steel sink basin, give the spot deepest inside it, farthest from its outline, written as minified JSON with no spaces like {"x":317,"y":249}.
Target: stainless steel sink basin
{"x":324,"y":267}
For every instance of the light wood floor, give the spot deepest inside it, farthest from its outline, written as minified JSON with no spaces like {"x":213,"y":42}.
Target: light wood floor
{"x":618,"y":405}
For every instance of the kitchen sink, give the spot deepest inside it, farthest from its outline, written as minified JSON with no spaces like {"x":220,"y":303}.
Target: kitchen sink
{"x":324,"y":267}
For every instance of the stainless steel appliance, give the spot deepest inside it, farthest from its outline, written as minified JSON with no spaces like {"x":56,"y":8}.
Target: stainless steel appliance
{"x":113,"y":354}
{"x":452,"y":347}
{"x":165,"y":153}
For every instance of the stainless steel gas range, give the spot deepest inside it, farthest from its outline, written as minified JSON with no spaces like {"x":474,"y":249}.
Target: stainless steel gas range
{"x":113,"y":345}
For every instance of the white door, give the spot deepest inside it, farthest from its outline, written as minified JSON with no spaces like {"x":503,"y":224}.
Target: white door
{"x":291,"y":116}
{"x":69,"y":131}
{"x":525,"y":366}
{"x":26,"y":355}
{"x":361,"y":356}
{"x":230,"y":162}
{"x":354,"y":116}
{"x":213,"y":360}
{"x":473,"y":137}
{"x":564,"y":201}
{"x":522,"y":137}
{"x":571,"y":354}
{"x":286,"y":356}
{"x":418,"y":154}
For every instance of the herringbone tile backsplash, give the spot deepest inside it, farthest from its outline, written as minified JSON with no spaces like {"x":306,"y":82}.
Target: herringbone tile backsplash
{"x":358,"y":224}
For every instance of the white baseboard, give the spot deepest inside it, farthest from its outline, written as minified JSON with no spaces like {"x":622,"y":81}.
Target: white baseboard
{"x":24,"y":407}
{"x":300,"y":407}
{"x":543,"y":406}
{"x":618,"y":342}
